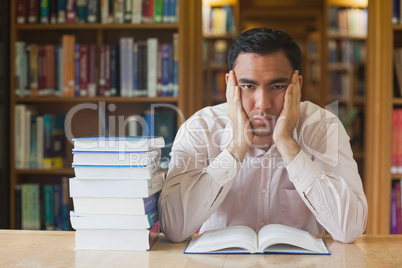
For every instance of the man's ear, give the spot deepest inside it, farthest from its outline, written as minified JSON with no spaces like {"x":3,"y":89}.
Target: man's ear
{"x":301,"y":81}
{"x":227,"y":78}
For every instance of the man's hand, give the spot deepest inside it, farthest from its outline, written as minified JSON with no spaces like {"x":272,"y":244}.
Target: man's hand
{"x":283,"y":133}
{"x":242,"y":132}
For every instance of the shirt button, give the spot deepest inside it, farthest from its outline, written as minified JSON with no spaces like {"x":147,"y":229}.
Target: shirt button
{"x":229,"y":174}
{"x":297,"y":179}
{"x":263,"y":190}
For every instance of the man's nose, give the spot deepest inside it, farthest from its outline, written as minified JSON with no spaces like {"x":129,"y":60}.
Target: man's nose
{"x":263,"y":99}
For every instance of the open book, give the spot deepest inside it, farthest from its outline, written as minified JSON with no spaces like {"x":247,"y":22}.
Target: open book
{"x":272,"y":238}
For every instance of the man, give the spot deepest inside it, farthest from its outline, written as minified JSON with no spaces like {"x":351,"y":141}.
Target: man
{"x":263,"y":157}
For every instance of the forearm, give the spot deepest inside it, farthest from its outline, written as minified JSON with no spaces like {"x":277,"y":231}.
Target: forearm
{"x":189,"y":197}
{"x":335,"y":196}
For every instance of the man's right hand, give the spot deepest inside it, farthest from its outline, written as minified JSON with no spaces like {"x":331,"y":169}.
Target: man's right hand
{"x":242,"y":132}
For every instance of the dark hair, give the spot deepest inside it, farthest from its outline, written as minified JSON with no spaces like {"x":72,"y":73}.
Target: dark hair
{"x":264,"y":41}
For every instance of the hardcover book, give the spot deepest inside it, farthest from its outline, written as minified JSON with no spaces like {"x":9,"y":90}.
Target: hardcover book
{"x":108,"y":239}
{"x":127,"y":172}
{"x":116,"y":188}
{"x":113,"y":221}
{"x":144,"y":158}
{"x":116,"y":205}
{"x":105,"y":143}
{"x":272,"y":238}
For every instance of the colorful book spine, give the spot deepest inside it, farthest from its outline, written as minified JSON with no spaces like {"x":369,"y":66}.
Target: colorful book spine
{"x":21,"y":11}
{"x":61,"y":11}
{"x":83,"y":66}
{"x":77,"y":89}
{"x":81,"y":11}
{"x":44,"y":11}
{"x":92,"y":11}
{"x":33,"y":11}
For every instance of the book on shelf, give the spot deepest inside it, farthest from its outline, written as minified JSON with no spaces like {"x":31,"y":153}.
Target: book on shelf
{"x":69,"y":69}
{"x":124,"y":188}
{"x":272,"y":238}
{"x":113,"y":221}
{"x":125,"y":158}
{"x":115,"y":239}
{"x":118,"y":143}
{"x":42,"y":206}
{"x":396,"y":208}
{"x":161,"y":122}
{"x":115,"y":205}
{"x":94,"y":11}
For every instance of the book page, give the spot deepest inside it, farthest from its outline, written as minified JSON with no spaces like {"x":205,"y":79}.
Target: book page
{"x":275,"y":234}
{"x":230,"y":237}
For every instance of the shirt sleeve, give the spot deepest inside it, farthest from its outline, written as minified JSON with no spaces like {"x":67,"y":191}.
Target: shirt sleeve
{"x":196,"y":184}
{"x":326,"y":177}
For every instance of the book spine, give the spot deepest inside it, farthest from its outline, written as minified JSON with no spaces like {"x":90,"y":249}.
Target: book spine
{"x":158,"y":11}
{"x":57,"y":207}
{"x":77,"y":89}
{"x":129,"y":67}
{"x":128,"y":10}
{"x":35,"y":207}
{"x":165,"y":70}
{"x":33,"y":143}
{"x":81,"y":11}
{"x":111,"y":11}
{"x":53,"y":11}
{"x":65,"y":203}
{"x":92,"y":70}
{"x":159,"y":71}
{"x":152,"y":63}
{"x":102,"y":73}
{"x":50,"y":71}
{"x":71,"y":11}
{"x":107,"y":71}
{"x":47,"y":141}
{"x":41,"y":89}
{"x":118,"y":11}
{"x":44,"y":11}
{"x":137,"y":12}
{"x":166,"y":8}
{"x":61,"y":11}
{"x":92,"y":11}
{"x":33,"y":66}
{"x":48,"y":206}
{"x":136,"y":88}
{"x":21,"y":11}
{"x":113,"y":70}
{"x":33,"y":11}
{"x":83,"y":74}
{"x":176,"y":65}
{"x":40,"y":141}
{"x":104,"y":11}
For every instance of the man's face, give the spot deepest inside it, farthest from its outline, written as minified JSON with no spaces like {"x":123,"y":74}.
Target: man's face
{"x":263,"y":81}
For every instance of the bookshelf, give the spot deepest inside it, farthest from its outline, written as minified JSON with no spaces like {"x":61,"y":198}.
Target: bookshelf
{"x":220,"y":26}
{"x":381,"y":100}
{"x":344,"y":53}
{"x":86,"y":116}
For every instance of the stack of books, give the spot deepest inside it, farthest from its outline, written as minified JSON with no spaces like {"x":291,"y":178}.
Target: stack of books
{"x":115,"y":192}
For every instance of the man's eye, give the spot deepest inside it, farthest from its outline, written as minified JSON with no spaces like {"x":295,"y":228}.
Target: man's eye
{"x":247,"y":87}
{"x":278,"y":87}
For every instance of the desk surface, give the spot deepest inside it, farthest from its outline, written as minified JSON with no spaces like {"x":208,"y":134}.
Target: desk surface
{"x":56,"y":249}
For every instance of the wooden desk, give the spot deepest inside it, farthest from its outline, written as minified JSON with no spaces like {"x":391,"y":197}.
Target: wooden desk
{"x":56,"y":249}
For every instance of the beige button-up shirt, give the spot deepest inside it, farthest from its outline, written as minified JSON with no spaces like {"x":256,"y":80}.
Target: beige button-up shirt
{"x":320,"y":189}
